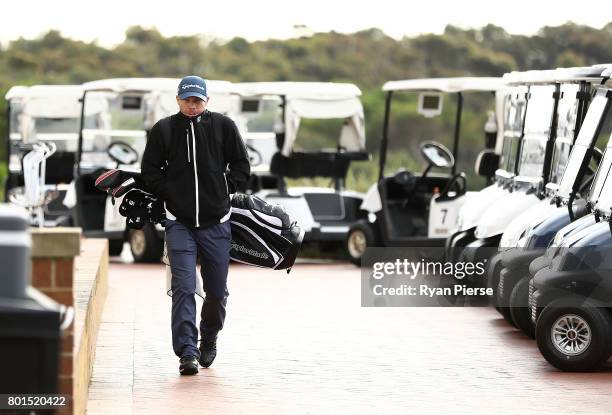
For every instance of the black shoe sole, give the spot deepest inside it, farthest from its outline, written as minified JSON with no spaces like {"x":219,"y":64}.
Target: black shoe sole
{"x":189,"y":371}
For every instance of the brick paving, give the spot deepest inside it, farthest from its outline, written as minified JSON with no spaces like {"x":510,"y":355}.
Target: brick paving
{"x":301,"y":344}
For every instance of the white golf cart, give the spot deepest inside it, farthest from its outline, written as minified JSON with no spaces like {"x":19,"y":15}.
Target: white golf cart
{"x":43,"y":125}
{"x":557,"y":102}
{"x":133,"y":105}
{"x":324,"y":213}
{"x":420,"y":209}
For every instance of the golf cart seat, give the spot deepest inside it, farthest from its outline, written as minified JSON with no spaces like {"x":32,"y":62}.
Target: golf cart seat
{"x":314,"y":164}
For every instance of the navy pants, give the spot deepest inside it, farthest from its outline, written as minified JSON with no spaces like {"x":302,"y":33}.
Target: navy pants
{"x":212,"y":245}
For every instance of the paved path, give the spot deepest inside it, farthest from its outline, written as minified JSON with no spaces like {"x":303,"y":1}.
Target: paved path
{"x":301,"y":344}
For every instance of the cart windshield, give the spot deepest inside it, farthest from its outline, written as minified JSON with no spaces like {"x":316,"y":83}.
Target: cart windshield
{"x":586,"y":136}
{"x":602,"y":187}
{"x":258,"y":114}
{"x":567,"y":111}
{"x":538,"y":120}
{"x":48,"y":118}
{"x":515,"y":103}
{"x":119,"y":117}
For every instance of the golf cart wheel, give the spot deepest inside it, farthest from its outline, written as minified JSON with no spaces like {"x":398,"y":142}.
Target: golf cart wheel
{"x":501,"y":302}
{"x":145,"y":245}
{"x":505,"y":312}
{"x":360,"y":236}
{"x":574,"y":335}
{"x":493,"y":277}
{"x":520,"y":312}
{"x":115,"y":246}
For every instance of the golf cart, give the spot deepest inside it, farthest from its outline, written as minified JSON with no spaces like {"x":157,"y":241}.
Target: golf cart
{"x":542,"y":157}
{"x":256,"y":118}
{"x":570,"y":299}
{"x":515,"y":105}
{"x":42,"y":120}
{"x":420,"y":209}
{"x":530,"y":233}
{"x":324,"y":213}
{"x":133,"y":105}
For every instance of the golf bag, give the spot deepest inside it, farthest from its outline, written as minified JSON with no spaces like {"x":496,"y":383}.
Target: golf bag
{"x":263,"y":235}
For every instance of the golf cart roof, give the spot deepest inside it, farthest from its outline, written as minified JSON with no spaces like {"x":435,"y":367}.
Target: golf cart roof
{"x":44,"y":91}
{"x":607,"y":70}
{"x":17,"y":91}
{"x":564,"y":75}
{"x":48,"y":101}
{"x":447,"y":85}
{"x":299,"y":90}
{"x":314,"y":100}
{"x":151,"y":84}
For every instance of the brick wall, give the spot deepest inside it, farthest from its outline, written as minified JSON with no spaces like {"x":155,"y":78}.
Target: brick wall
{"x":53,"y":252}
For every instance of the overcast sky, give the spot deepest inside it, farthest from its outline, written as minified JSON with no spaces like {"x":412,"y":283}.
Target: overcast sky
{"x":106,"y":21}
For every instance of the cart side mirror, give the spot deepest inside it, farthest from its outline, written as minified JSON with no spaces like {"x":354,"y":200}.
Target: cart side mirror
{"x":487,"y":163}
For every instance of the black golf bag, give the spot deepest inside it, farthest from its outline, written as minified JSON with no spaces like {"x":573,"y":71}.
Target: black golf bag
{"x":263,"y":234}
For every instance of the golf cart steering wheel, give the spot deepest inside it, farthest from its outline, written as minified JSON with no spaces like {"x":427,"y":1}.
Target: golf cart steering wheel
{"x":458,"y":184}
{"x":436,"y":155}
{"x":122,"y":153}
{"x":405,"y":179}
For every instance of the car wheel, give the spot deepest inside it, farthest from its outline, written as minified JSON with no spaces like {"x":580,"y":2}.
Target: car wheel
{"x":519,"y":311}
{"x":145,"y":245}
{"x":115,"y":247}
{"x":574,"y":335}
{"x":360,"y":236}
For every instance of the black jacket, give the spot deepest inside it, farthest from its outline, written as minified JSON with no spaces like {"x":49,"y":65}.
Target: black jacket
{"x":220,"y":164}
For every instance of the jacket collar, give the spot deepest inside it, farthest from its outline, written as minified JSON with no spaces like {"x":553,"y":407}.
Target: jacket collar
{"x":183,"y":119}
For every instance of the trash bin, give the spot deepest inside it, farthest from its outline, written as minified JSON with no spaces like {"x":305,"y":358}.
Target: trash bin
{"x":29,"y":320}
{"x":15,"y":245}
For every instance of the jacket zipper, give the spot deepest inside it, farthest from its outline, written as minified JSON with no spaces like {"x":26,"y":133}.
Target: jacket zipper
{"x":195,"y":173}
{"x":226,"y":187}
{"x":187,"y":140}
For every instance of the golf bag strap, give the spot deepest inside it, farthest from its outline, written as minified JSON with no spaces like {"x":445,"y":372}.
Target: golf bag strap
{"x":166,"y":130}
{"x":216,"y":121}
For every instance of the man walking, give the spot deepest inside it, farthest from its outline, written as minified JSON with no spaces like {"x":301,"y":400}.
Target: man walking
{"x":193,"y":161}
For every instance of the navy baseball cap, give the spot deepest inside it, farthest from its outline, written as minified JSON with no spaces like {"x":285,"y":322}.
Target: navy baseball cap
{"x":192,"y":86}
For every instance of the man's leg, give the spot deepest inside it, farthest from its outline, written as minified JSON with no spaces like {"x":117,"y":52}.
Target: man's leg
{"x":182,"y":251}
{"x":214,"y":248}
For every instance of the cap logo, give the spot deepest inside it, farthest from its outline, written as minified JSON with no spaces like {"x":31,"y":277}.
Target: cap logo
{"x":193,"y":86}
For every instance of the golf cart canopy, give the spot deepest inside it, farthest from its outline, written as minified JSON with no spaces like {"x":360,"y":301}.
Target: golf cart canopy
{"x":560,"y":75}
{"x":122,"y":85}
{"x":445,"y":85}
{"x":16,"y":92}
{"x":45,"y":112}
{"x":161,"y":94}
{"x":314,"y":100}
{"x":571,"y":84}
{"x":439,"y":86}
{"x":131,"y":107}
{"x":50,"y":101}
